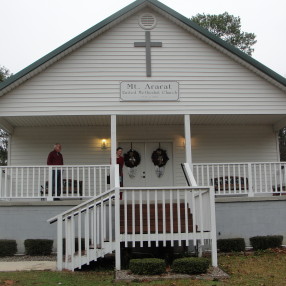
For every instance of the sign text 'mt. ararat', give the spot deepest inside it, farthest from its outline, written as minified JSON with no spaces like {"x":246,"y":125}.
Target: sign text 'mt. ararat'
{"x":149,"y":91}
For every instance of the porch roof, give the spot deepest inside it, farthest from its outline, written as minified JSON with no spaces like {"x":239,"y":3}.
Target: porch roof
{"x":9,"y":123}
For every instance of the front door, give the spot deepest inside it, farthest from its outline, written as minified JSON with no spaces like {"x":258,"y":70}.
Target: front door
{"x":146,"y":174}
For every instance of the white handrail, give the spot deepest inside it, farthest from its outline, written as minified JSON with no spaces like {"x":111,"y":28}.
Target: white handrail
{"x":85,"y":205}
{"x":189,"y":175}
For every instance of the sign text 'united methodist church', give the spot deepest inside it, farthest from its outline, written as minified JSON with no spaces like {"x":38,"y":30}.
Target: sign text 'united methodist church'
{"x":149,"y":90}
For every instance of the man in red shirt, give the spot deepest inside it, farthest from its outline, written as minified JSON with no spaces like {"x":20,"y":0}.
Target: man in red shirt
{"x":56,"y":158}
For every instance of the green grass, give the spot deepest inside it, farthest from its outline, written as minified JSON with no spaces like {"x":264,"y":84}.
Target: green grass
{"x":265,"y":269}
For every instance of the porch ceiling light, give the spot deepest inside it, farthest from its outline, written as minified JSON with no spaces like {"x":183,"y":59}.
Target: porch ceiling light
{"x":103,"y":144}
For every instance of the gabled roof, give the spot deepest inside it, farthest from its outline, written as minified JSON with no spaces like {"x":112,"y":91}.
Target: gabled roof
{"x":24,"y":74}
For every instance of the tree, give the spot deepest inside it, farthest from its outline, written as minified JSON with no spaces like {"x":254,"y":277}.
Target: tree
{"x":228,"y":28}
{"x":4,"y":73}
{"x":3,"y":147}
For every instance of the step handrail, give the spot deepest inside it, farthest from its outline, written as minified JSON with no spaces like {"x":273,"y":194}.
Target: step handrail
{"x":82,"y":205}
{"x":189,"y":175}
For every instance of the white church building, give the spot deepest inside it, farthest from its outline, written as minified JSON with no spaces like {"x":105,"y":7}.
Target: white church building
{"x":149,"y":80}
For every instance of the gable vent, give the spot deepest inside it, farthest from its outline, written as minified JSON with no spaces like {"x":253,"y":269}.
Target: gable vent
{"x":147,"y":21}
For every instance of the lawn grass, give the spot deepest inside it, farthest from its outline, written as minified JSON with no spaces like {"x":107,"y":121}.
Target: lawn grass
{"x":263,"y":269}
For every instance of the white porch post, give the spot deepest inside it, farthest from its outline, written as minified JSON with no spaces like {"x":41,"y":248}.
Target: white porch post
{"x":113,"y":141}
{"x":188,"y":146}
{"x":114,"y":183}
{"x":213,"y":228}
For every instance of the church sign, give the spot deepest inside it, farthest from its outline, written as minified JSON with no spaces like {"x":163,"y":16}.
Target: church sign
{"x":149,"y":90}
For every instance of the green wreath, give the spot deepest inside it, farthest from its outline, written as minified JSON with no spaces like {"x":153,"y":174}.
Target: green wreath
{"x":132,"y":158}
{"x":160,"y":157}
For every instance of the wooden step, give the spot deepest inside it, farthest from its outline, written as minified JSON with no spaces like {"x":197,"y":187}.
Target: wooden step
{"x":152,"y":218}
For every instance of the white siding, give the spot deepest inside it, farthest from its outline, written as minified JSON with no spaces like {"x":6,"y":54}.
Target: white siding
{"x":81,"y":145}
{"x":216,"y":144}
{"x":88,"y":80}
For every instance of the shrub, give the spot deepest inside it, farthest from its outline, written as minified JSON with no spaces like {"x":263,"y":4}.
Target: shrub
{"x":231,"y":244}
{"x":147,"y":266}
{"x":8,"y":247}
{"x":38,"y":246}
{"x":191,"y":265}
{"x":264,"y":242}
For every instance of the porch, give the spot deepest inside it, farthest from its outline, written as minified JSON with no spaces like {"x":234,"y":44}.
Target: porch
{"x":166,"y":212}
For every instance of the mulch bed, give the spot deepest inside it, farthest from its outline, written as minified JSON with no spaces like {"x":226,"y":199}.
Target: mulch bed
{"x":213,"y":274}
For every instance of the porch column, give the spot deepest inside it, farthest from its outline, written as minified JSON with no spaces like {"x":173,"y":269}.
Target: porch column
{"x":113,"y":142}
{"x":188,"y":147}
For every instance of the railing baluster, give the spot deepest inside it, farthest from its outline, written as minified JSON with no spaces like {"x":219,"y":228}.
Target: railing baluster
{"x":110,"y":221}
{"x":203,"y":175}
{"x":102,"y":223}
{"x":156,"y":218}
{"x":68,"y":242}
{"x":265,"y":178}
{"x":201,"y":218}
{"x":148,"y":218}
{"x":179,"y":217}
{"x":95,"y":226}
{"x":141,"y":218}
{"x":100,"y":183}
{"x":79,"y":237}
{"x":284,"y":178}
{"x":72,"y":180}
{"x":94,"y":182}
{"x":186,"y":218}
{"x":164,"y":217}
{"x":251,"y":179}
{"x":77,"y":182}
{"x":87,"y":234}
{"x":60,"y":242}
{"x":61,"y":182}
{"x":280,"y":178}
{"x":72,"y":242}
{"x":22,"y":182}
{"x":193,"y":209}
{"x":11,"y":180}
{"x":133,"y":217}
{"x":171,"y":219}
{"x":208,"y":176}
{"x":125,"y":218}
{"x":83,"y":182}
{"x":260,"y":179}
{"x":234,"y":179}
{"x":218,"y":180}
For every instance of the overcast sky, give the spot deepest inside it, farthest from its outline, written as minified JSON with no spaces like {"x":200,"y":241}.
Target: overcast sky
{"x":32,"y":28}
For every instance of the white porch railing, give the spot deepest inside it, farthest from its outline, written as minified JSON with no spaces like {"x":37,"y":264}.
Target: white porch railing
{"x":86,"y":232}
{"x":143,"y":215}
{"x":251,"y":179}
{"x":48,"y":182}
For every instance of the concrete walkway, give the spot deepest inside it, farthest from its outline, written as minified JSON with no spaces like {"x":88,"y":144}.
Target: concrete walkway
{"x":27,"y":266}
